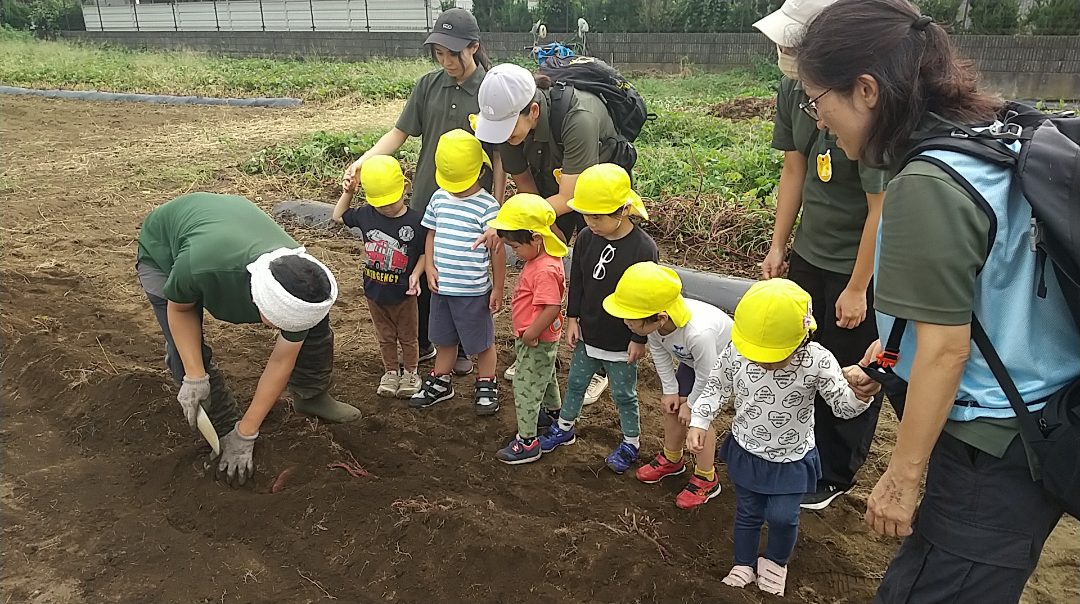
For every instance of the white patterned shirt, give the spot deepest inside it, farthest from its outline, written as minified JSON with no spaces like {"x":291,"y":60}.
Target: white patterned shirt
{"x":774,"y":409}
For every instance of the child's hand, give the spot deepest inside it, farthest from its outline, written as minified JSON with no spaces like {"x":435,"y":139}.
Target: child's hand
{"x":636,"y":352}
{"x":863,"y":385}
{"x":496,"y":300}
{"x":433,"y":279}
{"x":573,"y":332}
{"x":670,"y":403}
{"x":530,"y":342}
{"x":684,"y":414}
{"x":695,"y":440}
{"x":349,"y":180}
{"x":414,"y":286}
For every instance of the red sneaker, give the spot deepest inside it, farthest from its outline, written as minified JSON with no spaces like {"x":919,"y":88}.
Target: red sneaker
{"x":660,"y":468}
{"x":697,"y":492}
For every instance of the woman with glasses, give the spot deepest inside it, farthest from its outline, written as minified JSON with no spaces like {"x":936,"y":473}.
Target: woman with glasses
{"x":832,"y":255}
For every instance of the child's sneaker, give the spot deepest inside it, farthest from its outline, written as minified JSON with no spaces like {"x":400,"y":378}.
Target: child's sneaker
{"x":436,"y":389}
{"x":697,"y":492}
{"x":511,"y":371}
{"x":388,"y":385}
{"x":660,"y":468}
{"x":408,"y":385}
{"x":546,"y":419}
{"x":739,"y":576}
{"x":517,"y":452}
{"x":556,"y":436}
{"x":771,"y":577}
{"x":622,"y":457}
{"x":596,"y":387}
{"x":486,"y":398}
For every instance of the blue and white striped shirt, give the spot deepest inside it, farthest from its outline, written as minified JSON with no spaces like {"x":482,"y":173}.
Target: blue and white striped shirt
{"x":457,"y":222}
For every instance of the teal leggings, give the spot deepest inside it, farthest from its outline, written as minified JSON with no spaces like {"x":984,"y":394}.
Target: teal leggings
{"x":623,"y":380}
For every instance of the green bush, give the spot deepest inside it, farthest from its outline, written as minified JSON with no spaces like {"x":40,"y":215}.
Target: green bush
{"x":46,"y":18}
{"x":995,"y":16}
{"x":1054,"y":17}
{"x":944,"y":12}
{"x":502,"y":15}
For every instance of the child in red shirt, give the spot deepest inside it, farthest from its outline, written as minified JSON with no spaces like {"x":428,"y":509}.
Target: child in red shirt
{"x":524,"y":223}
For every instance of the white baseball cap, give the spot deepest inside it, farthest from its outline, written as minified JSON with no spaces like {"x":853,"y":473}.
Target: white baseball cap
{"x":785,"y":27}
{"x":505,"y":91}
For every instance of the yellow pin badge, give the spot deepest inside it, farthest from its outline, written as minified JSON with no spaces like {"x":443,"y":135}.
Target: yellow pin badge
{"x":824,"y":166}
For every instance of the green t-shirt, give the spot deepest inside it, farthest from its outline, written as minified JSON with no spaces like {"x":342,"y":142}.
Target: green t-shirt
{"x":933,"y":242}
{"x":834,"y":202}
{"x":438,"y":104}
{"x":589,"y":137}
{"x":204,"y":242}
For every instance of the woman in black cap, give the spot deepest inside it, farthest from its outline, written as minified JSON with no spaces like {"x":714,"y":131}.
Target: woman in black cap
{"x":441,"y":101}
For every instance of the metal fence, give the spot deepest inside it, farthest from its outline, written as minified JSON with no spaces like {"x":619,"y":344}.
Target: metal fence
{"x":263,"y":15}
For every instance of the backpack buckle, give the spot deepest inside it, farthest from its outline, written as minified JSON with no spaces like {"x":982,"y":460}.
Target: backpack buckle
{"x":1035,"y":233}
{"x":1011,"y":130}
{"x":887,"y":359}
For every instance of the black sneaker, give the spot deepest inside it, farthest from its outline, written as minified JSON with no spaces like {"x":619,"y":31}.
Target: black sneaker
{"x":486,"y":399}
{"x":545,"y":419}
{"x":820,"y":499}
{"x":436,"y":389}
{"x":426,"y":354}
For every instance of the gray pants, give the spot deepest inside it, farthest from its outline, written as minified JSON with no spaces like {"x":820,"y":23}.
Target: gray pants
{"x":979,"y":532}
{"x":311,"y":376}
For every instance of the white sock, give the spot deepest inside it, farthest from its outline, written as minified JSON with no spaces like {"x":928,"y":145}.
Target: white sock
{"x":565,"y":425}
{"x":633,"y":440}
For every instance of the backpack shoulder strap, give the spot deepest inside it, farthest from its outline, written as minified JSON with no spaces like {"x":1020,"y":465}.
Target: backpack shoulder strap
{"x":1029,"y":425}
{"x":562,"y":96}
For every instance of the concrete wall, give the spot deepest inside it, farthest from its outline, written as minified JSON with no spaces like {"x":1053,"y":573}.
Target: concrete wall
{"x":1030,"y":67}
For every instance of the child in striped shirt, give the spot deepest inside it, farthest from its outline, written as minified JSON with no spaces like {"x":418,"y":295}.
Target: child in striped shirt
{"x":463,"y":293}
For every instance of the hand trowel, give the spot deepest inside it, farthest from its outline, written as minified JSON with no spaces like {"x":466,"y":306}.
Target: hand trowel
{"x":202,"y":421}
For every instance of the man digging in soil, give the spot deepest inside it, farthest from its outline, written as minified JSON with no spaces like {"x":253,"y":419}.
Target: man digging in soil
{"x":224,"y":254}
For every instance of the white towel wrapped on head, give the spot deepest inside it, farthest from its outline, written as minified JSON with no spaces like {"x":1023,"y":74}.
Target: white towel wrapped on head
{"x":285,"y":311}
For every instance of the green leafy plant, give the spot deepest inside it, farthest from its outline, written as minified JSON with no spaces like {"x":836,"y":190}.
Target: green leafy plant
{"x":995,"y":16}
{"x":1054,"y":17}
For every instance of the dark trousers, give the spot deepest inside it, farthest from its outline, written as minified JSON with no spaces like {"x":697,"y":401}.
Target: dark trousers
{"x":842,"y":444}
{"x":311,"y":376}
{"x":979,"y":532}
{"x":423,"y":311}
{"x":752,"y":510}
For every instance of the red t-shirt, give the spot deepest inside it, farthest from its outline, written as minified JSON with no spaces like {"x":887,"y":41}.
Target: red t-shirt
{"x":542,"y":282}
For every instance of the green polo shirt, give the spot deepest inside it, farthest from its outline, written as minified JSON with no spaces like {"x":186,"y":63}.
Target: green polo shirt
{"x":833,"y":210}
{"x":204,"y":242}
{"x":438,"y":104}
{"x":589,"y":138}
{"x":933,"y":242}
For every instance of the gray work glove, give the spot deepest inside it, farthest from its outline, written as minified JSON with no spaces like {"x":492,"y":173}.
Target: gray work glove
{"x":235,"y":461}
{"x":193,"y":391}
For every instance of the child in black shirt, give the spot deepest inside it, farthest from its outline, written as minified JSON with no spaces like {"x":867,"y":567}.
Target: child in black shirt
{"x":394,"y":245}
{"x":610,"y":245}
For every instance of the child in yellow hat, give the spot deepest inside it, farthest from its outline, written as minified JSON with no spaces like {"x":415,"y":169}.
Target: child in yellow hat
{"x":393,"y":266}
{"x":601,"y":342}
{"x":466,"y":284}
{"x":524,"y":223}
{"x":686,"y":338}
{"x":773,"y":371}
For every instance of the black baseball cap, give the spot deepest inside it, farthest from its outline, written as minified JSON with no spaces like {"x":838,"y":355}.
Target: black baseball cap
{"x":455,"y":29}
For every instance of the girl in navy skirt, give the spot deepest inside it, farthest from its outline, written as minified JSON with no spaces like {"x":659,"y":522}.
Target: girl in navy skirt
{"x":773,"y":371}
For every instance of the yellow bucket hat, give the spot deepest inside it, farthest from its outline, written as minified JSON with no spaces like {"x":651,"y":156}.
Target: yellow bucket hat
{"x":459,"y":157}
{"x":529,"y":212}
{"x":772,"y":320}
{"x":646,"y":288}
{"x":603,"y":189}
{"x":382,"y":180}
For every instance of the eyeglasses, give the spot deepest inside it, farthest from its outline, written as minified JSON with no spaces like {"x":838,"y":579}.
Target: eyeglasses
{"x":810,"y":107}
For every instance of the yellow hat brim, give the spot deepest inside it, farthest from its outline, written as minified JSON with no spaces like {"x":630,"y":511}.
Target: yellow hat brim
{"x":679,"y":312}
{"x":757,"y":353}
{"x":378,"y":201}
{"x":633,"y":200}
{"x":618,"y":309}
{"x":455,"y":186}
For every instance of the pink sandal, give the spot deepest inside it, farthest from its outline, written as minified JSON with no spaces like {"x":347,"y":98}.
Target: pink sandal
{"x":739,"y":576}
{"x":771,"y":577}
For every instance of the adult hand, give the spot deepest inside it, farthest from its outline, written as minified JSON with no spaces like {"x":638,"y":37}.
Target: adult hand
{"x":351,"y":178}
{"x":433,"y":279}
{"x":573,"y":332}
{"x":872,"y":353}
{"x":236,"y":456}
{"x":490,"y":240}
{"x":495,"y":301}
{"x":684,"y":414}
{"x":635,"y":352}
{"x":414,"y":286}
{"x":891,"y":506}
{"x":850,"y":308}
{"x":774,"y":265}
{"x":695,"y":440}
{"x":193,"y":391}
{"x":670,"y":403}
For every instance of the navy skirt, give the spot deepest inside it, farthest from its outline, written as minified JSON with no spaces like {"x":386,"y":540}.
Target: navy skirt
{"x":750,"y":472}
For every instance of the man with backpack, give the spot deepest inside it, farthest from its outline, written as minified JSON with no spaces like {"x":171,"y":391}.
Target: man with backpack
{"x":549,"y":131}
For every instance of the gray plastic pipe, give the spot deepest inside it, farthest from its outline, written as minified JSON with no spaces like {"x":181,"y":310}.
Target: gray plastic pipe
{"x":718,"y":290}
{"x":160,"y":99}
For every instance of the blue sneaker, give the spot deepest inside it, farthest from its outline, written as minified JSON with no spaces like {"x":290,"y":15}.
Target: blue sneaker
{"x":517,"y":452}
{"x":556,"y":436}
{"x":622,"y":457}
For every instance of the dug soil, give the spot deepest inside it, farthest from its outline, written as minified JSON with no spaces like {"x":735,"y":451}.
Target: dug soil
{"x":105,"y":492}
